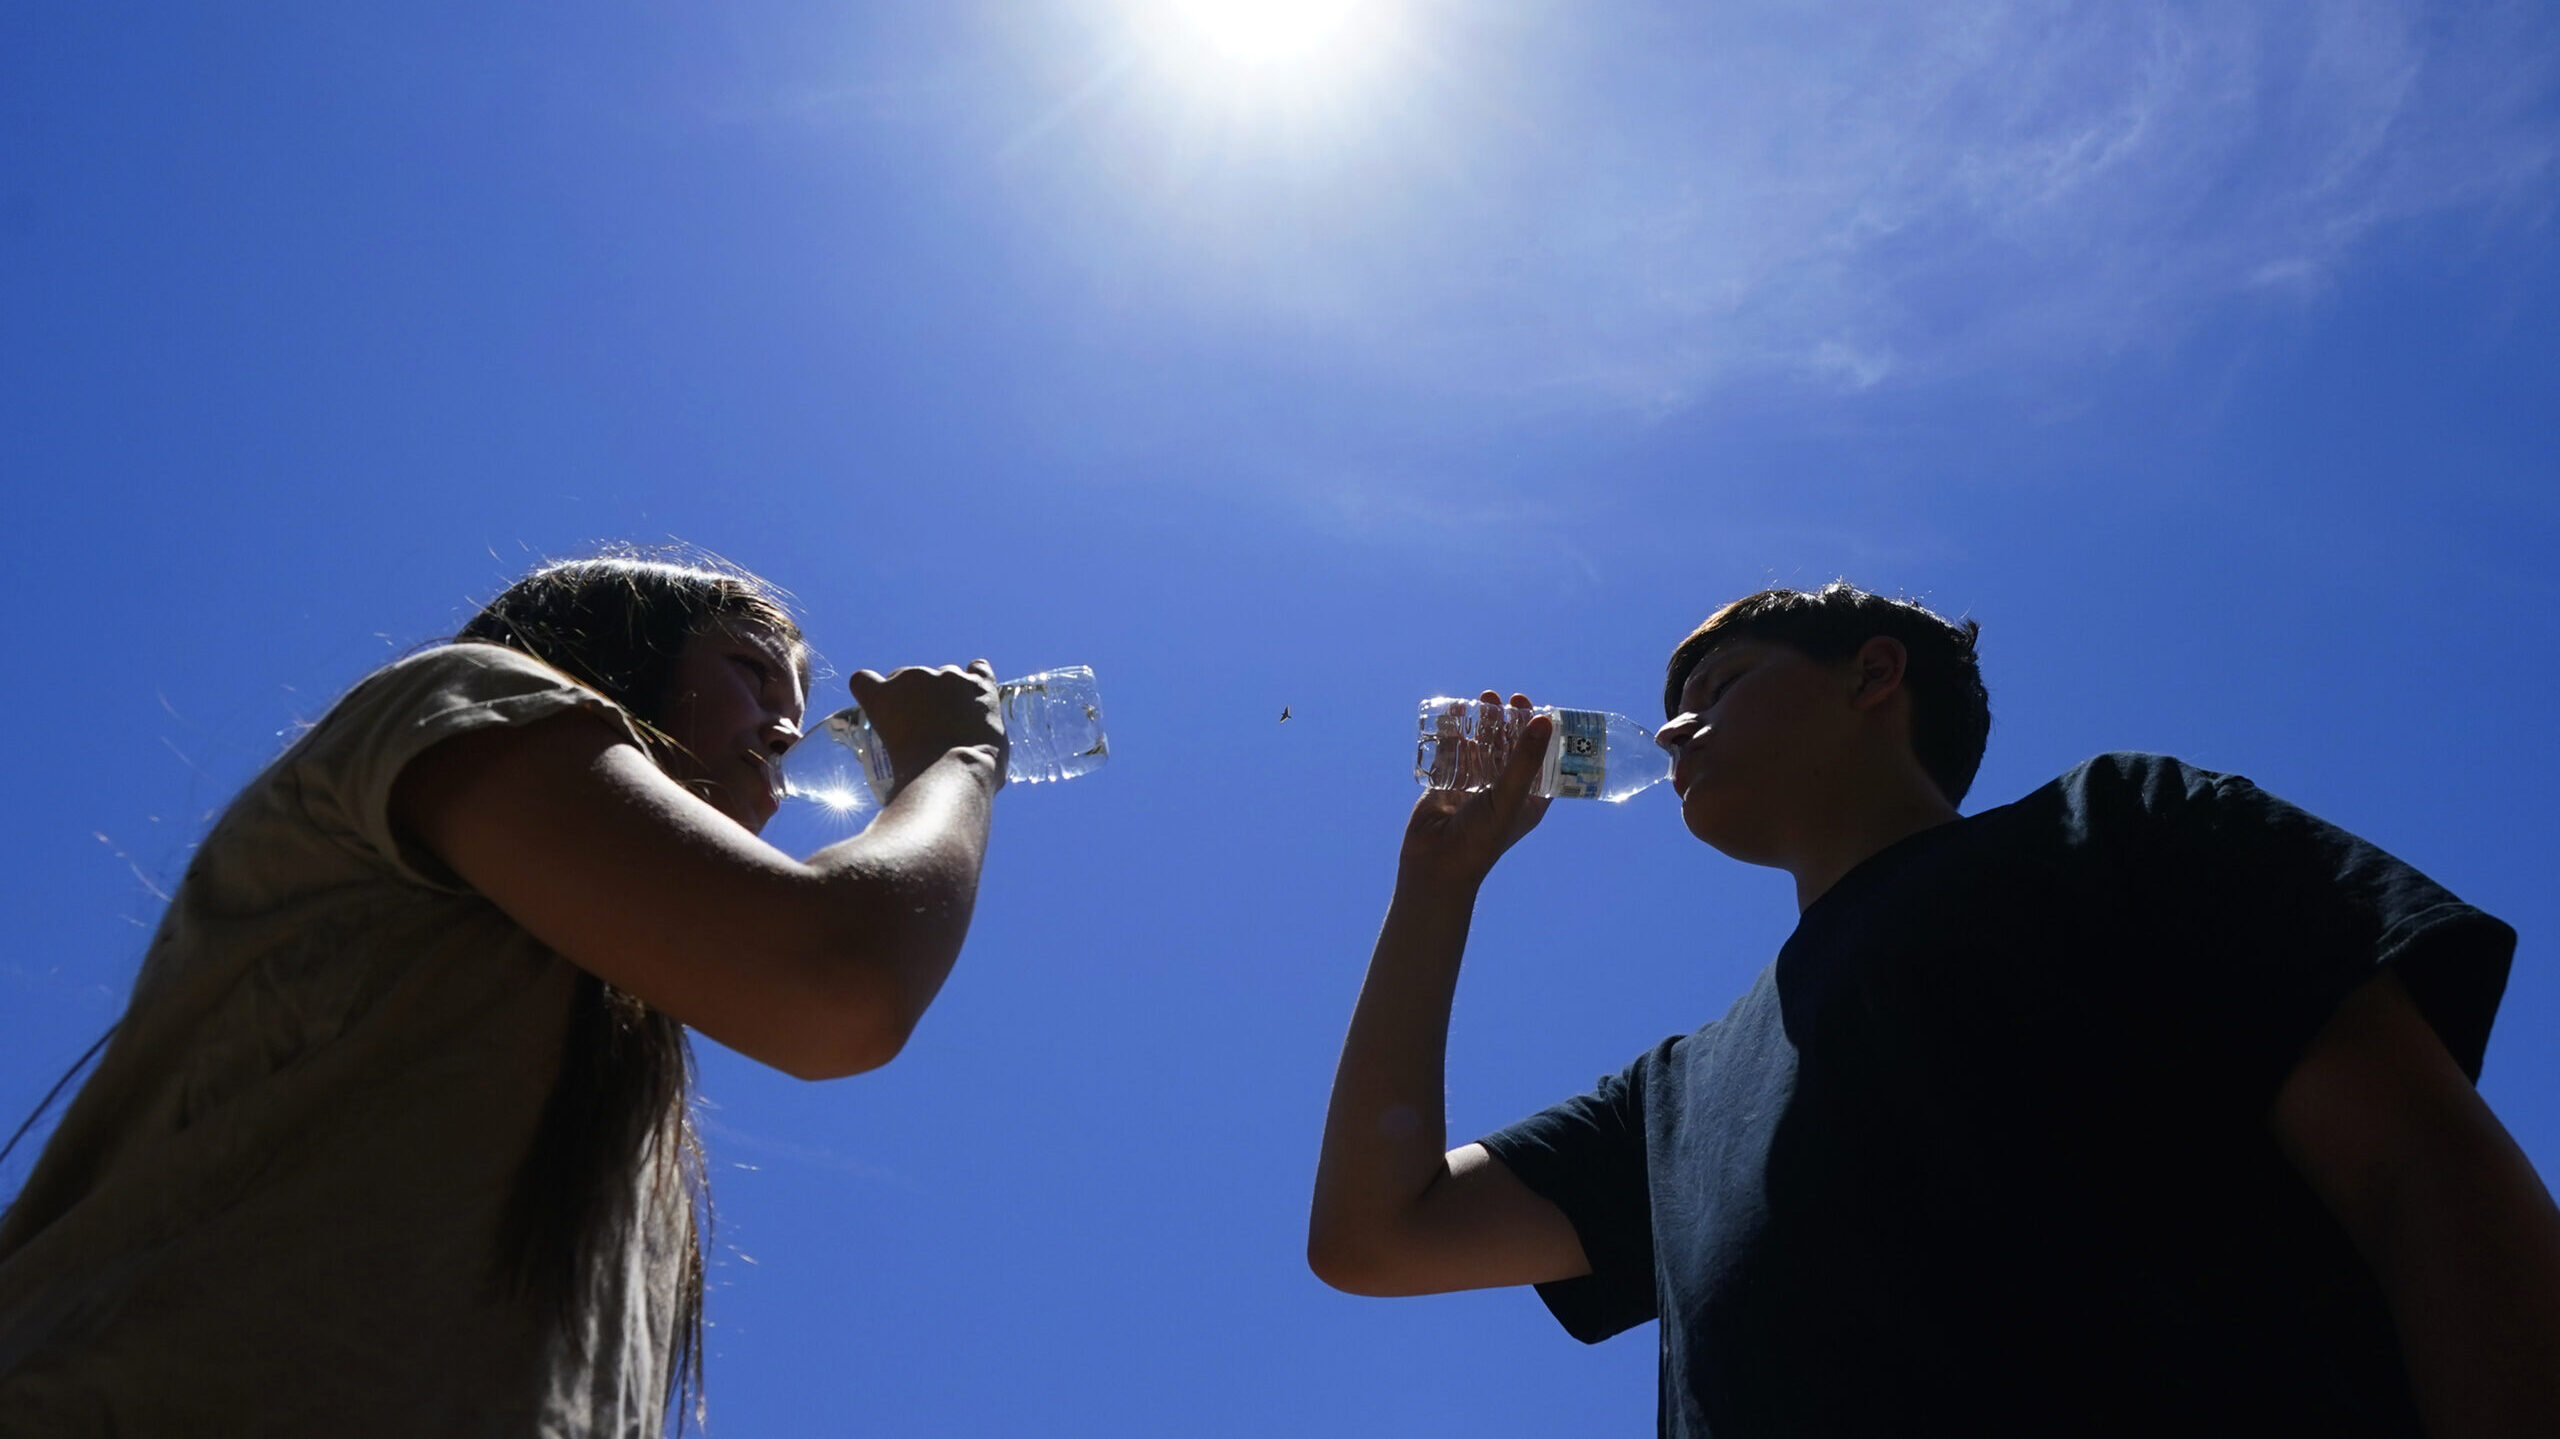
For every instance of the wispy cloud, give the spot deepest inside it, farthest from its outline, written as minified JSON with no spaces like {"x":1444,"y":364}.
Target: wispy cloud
{"x":1632,"y":205}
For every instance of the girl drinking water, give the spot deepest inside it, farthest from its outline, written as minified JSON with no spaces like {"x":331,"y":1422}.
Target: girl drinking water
{"x":393,"y":1136}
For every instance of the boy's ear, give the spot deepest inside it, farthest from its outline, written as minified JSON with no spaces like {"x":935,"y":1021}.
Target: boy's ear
{"x":1880,"y":664}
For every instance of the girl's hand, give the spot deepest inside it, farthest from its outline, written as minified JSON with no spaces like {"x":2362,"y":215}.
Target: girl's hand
{"x":1455,"y":836}
{"x":923,"y":714}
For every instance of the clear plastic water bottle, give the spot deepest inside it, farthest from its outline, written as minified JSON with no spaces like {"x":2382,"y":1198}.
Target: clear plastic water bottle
{"x":1593,"y":755}
{"x":1052,"y":723}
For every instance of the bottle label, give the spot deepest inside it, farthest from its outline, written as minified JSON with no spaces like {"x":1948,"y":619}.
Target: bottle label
{"x":1582,"y":754}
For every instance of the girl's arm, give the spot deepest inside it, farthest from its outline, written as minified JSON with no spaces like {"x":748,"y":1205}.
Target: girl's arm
{"x":819,"y":967}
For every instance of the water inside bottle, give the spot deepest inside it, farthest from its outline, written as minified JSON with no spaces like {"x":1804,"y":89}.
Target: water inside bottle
{"x":1459,"y":748}
{"x":1053,"y":726}
{"x":1591,"y":754}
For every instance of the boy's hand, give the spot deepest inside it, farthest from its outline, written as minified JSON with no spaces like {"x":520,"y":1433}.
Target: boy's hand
{"x":923,"y":714}
{"x":1455,"y":836}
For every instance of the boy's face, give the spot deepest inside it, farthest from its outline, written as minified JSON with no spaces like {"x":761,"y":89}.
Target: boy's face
{"x":1760,"y":741}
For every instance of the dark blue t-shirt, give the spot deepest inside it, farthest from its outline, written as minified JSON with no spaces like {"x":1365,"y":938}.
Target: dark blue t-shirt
{"x":1986,"y":1150}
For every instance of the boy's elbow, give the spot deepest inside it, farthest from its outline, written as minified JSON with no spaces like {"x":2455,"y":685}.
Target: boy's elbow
{"x":1331,"y":1266}
{"x":1335,"y":1257}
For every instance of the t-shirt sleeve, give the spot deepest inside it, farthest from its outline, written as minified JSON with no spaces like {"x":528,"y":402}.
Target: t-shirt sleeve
{"x":2275,"y":916}
{"x":343,"y":770}
{"x":1586,"y":1156}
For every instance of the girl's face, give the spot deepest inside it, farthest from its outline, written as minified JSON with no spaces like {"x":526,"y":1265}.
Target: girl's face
{"x":735,"y":705}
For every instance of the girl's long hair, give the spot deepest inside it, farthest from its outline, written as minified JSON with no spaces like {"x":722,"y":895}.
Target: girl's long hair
{"x":620,"y":1119}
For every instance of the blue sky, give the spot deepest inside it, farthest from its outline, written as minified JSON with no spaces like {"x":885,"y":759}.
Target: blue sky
{"x":2202,"y":352}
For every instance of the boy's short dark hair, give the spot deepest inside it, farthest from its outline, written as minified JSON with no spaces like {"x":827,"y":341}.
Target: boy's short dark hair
{"x":1950,"y":710}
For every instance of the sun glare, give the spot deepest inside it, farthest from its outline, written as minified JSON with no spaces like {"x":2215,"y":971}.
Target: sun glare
{"x":1305,"y":48}
{"x":1265,"y":32}
{"x":1226,"y":85}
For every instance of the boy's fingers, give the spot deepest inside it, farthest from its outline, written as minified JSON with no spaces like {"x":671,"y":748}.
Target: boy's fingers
{"x":1520,"y":772}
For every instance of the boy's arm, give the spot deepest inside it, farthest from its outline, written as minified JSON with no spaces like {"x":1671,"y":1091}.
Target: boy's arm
{"x":2458,"y":1229}
{"x":1393,"y":1212}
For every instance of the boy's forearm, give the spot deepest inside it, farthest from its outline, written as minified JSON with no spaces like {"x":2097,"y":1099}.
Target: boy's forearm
{"x":1386,"y":1131}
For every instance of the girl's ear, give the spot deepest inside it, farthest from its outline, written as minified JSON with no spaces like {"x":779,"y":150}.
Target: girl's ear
{"x":1881,"y":663}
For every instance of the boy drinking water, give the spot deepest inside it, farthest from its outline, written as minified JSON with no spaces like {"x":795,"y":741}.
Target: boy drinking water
{"x":2140,"y":1105}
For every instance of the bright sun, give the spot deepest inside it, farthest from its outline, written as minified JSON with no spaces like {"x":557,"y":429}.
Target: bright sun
{"x":1261,"y":33}
{"x":1302,"y":47}
{"x":1309,"y":73}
